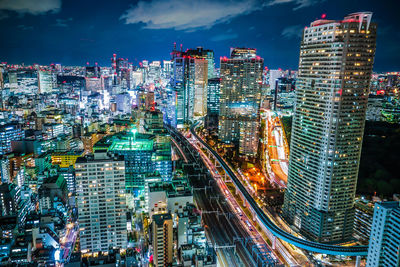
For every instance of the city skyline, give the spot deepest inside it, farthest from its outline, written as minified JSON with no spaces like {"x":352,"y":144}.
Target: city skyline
{"x":199,"y":133}
{"x":74,"y":37}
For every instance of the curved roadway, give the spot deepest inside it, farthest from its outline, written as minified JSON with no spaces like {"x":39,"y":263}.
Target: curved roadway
{"x":274,"y":229}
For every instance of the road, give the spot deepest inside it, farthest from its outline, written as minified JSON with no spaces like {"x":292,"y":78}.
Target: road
{"x":276,"y":154}
{"x":224,"y":228}
{"x":246,"y":221}
{"x":269,"y":224}
{"x":68,"y":241}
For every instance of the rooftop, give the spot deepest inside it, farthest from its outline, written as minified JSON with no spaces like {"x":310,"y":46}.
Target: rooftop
{"x":135,"y":145}
{"x":160,"y":218}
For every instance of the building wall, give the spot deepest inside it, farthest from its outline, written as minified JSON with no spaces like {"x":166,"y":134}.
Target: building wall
{"x":101,"y":204}
{"x":162,"y":239}
{"x":332,"y":90}
{"x":384,"y":242}
{"x":240,"y":96}
{"x":200,"y":87}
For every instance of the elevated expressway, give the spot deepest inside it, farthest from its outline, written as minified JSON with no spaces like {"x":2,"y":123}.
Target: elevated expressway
{"x":270,"y":225}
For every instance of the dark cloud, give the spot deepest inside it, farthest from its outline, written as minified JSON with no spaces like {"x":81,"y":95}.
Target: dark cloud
{"x":187,"y":15}
{"x":31,"y":6}
{"x":293,"y":32}
{"x":298,"y":3}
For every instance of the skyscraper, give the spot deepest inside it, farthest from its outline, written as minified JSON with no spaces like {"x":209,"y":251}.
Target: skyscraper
{"x":182,"y":85}
{"x":162,"y":239}
{"x":206,"y":54}
{"x":213,"y":93}
{"x":200,"y":88}
{"x":335,"y":67}
{"x":191,"y":72}
{"x":240,"y":96}
{"x":384,"y":241}
{"x":101,"y":201}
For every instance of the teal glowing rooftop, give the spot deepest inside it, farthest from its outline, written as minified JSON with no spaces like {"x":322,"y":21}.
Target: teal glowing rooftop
{"x":135,"y":145}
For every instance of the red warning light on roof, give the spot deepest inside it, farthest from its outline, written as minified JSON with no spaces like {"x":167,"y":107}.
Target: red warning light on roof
{"x":380,"y":92}
{"x":323,"y":16}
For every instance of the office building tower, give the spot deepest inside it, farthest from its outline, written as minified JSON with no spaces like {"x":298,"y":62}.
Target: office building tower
{"x":92,"y":72}
{"x":240,"y":97}
{"x":184,"y":84}
{"x":200,"y":88}
{"x":21,"y":81}
{"x":208,"y":55}
{"x":154,"y":72}
{"x":5,"y":169}
{"x":178,"y":83}
{"x":10,"y":132}
{"x":137,"y":150}
{"x":47,"y":81}
{"x":332,"y":88}
{"x":384,"y":242}
{"x":213,"y":94}
{"x":273,"y":76}
{"x":121,"y":64}
{"x":168,"y":69}
{"x":191,"y":72}
{"x":9,"y":197}
{"x":162,"y":239}
{"x":53,"y":130}
{"x":101,"y":201}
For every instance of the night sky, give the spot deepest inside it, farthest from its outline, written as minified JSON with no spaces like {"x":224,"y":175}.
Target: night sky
{"x":74,"y":32}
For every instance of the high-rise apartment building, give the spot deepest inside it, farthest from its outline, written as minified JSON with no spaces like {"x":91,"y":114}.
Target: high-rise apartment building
{"x":240,"y":97}
{"x":162,"y":239}
{"x":335,"y":68}
{"x":384,"y":242}
{"x":364,"y":213}
{"x":101,"y":201}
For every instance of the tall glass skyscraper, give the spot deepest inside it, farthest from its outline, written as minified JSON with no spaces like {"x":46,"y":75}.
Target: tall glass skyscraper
{"x":335,"y":68}
{"x":191,"y":71}
{"x":240,"y":97}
